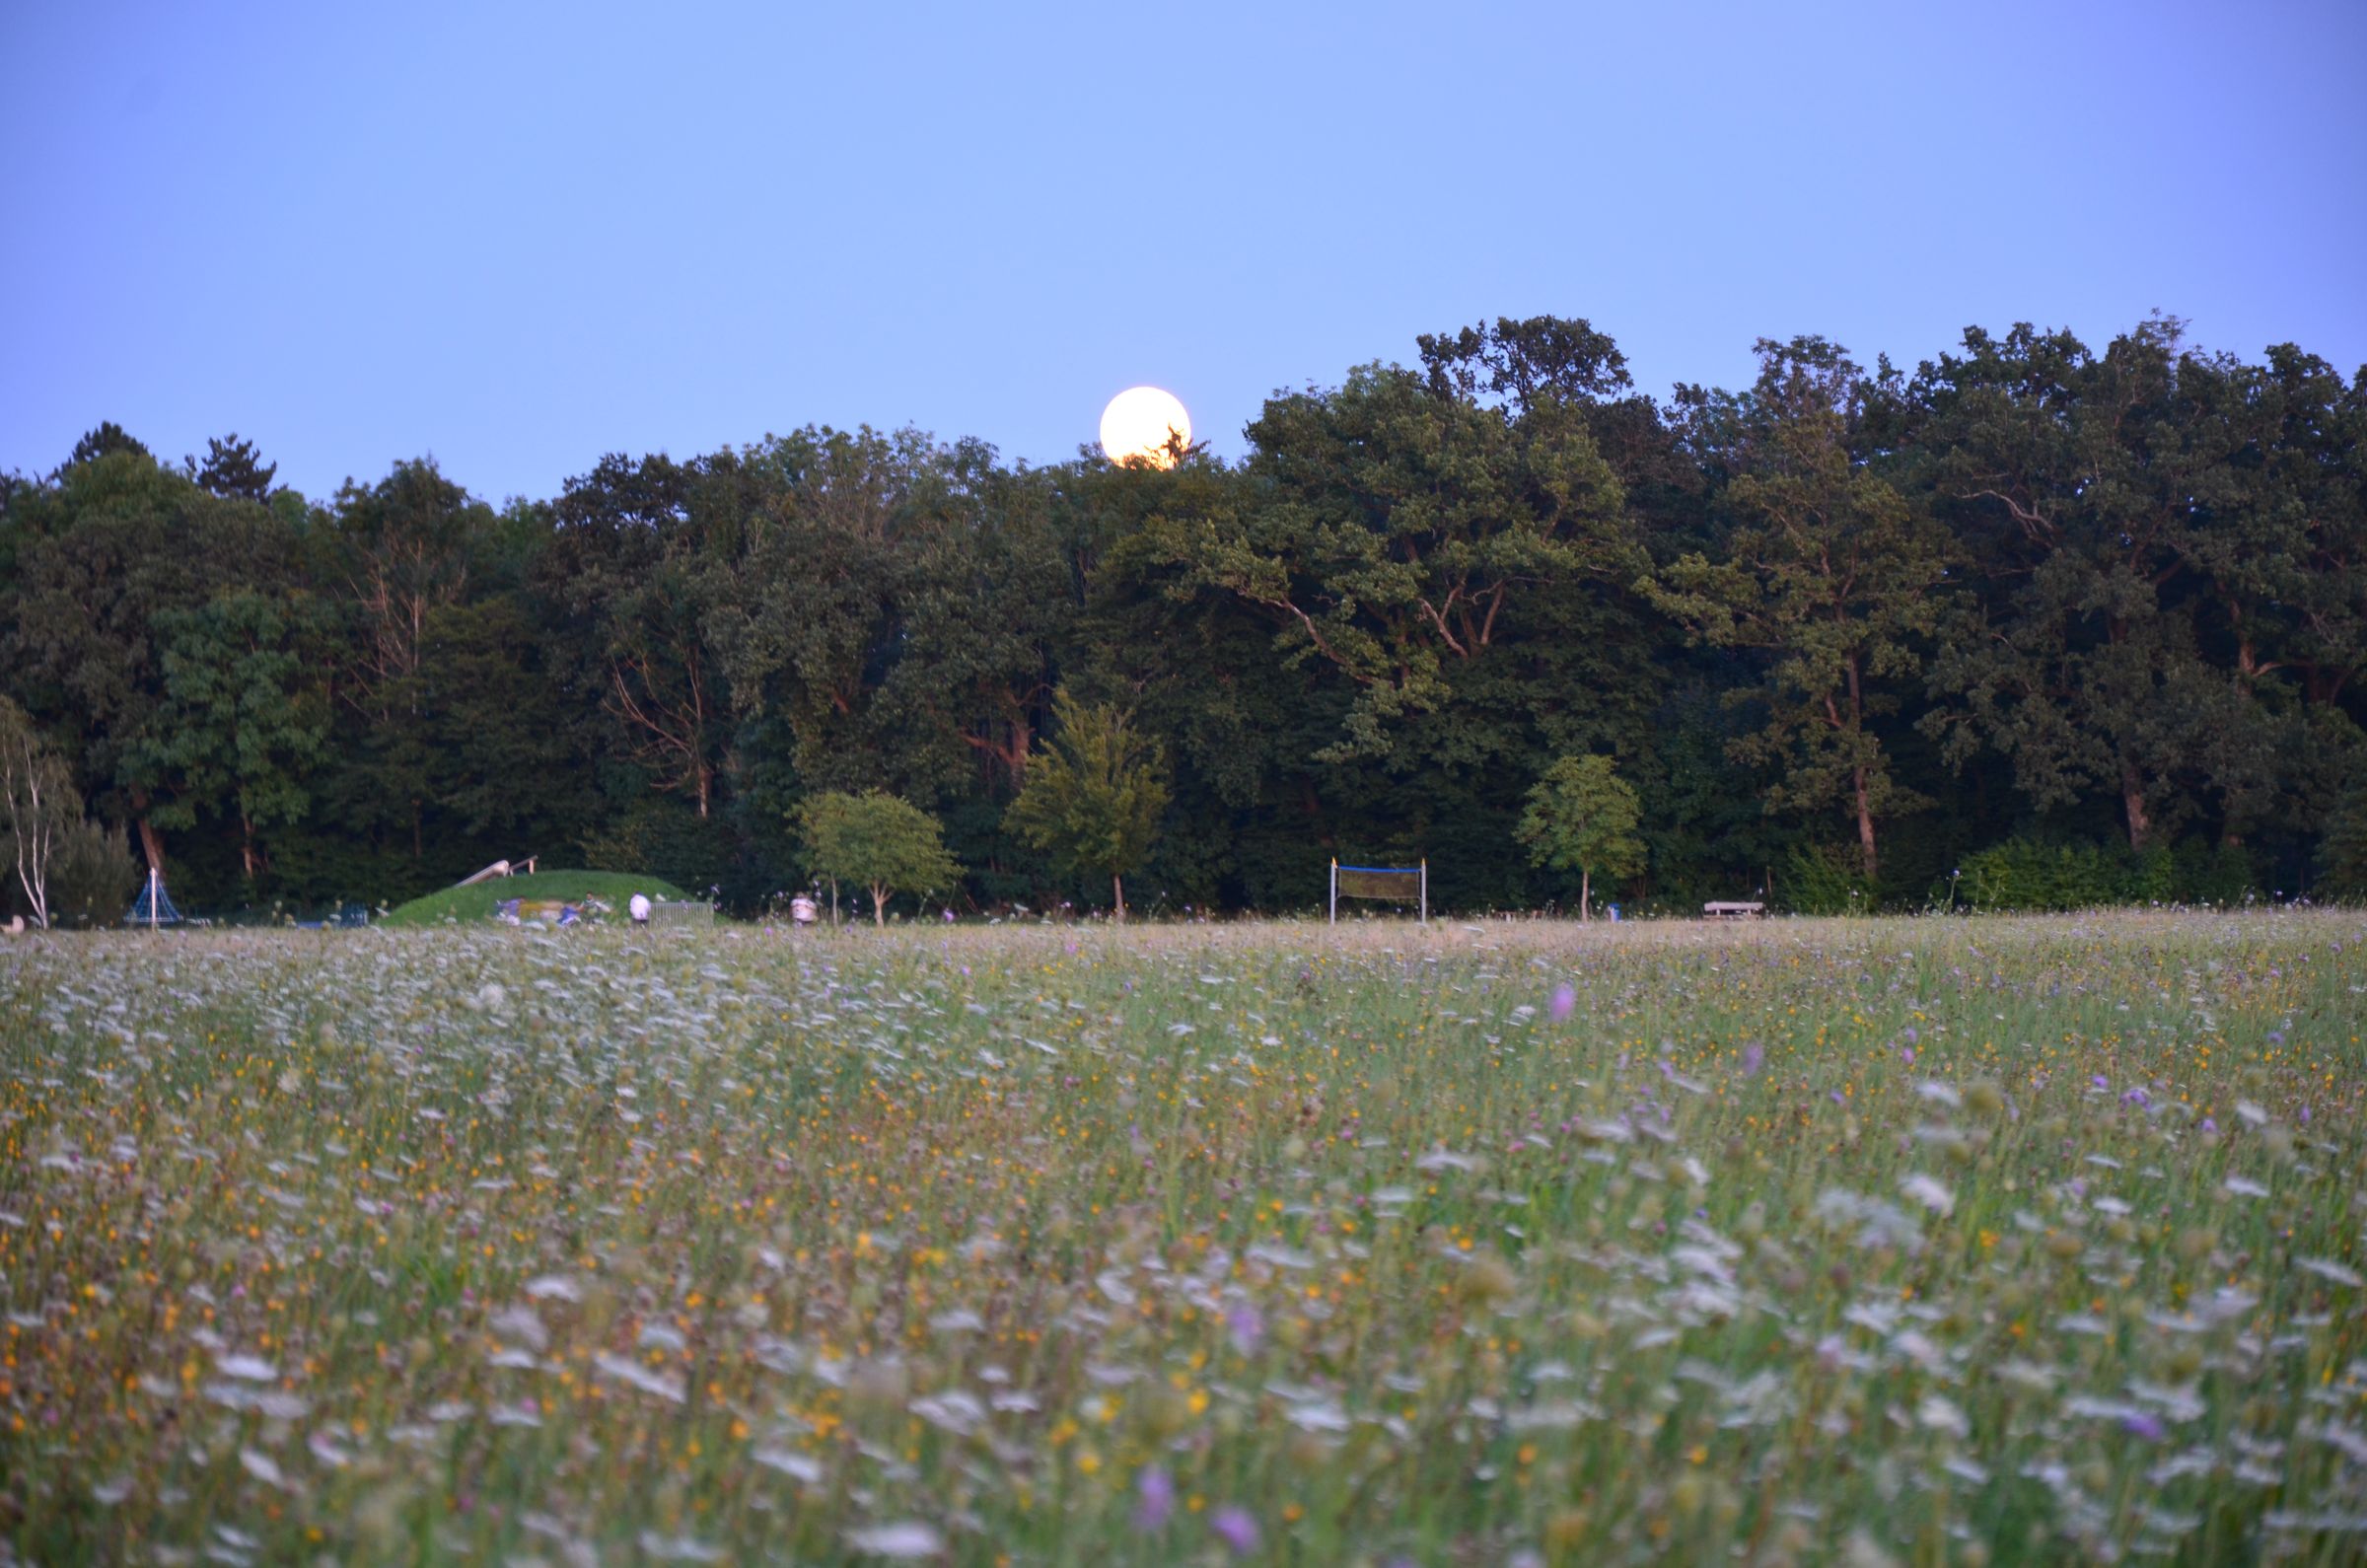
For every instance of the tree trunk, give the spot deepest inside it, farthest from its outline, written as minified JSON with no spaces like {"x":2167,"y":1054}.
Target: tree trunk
{"x":1117,"y":885}
{"x":1865,"y":826}
{"x":246,"y":850}
{"x":706,"y":785}
{"x":152,"y":845}
{"x":2132,"y":800}
{"x":1586,"y":894}
{"x":37,"y":886}
{"x":879,"y":906}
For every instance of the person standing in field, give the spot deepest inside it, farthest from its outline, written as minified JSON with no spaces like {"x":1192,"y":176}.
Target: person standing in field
{"x":640,"y":908}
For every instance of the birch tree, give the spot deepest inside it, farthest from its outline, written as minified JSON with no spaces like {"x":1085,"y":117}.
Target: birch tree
{"x":38,"y":800}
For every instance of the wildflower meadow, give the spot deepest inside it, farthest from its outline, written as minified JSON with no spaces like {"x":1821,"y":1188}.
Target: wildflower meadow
{"x":1873,"y":1241}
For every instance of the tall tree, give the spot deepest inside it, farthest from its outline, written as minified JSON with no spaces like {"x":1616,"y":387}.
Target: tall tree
{"x":630,"y":561}
{"x":408,"y":544}
{"x":2074,"y":480}
{"x":102,"y":558}
{"x":1251,"y":819}
{"x":511,"y":762}
{"x":245,"y":718}
{"x":2279,"y":512}
{"x":1401,"y":534}
{"x":106,"y":441}
{"x":988,"y":598}
{"x":1826,"y":572}
{"x":38,"y":805}
{"x":806,"y":614}
{"x":403,"y":548}
{"x":233,"y":468}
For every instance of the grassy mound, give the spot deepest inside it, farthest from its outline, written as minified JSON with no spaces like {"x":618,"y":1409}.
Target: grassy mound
{"x":476,"y":902}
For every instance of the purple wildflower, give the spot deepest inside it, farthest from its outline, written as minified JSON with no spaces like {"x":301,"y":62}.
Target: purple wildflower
{"x":2099,"y":1081}
{"x":1565,"y":1002}
{"x":1236,"y":1528}
{"x":1753,"y":1054}
{"x":1158,"y":1494}
{"x":1912,"y":1036}
{"x":2138,"y":1424}
{"x":1906,"y":1055}
{"x":1245,"y":1327}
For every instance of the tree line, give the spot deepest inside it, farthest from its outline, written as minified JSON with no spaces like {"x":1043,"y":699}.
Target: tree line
{"x":2034,"y":621}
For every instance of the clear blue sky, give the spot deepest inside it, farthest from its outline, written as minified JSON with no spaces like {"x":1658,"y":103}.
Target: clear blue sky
{"x":519,"y":237}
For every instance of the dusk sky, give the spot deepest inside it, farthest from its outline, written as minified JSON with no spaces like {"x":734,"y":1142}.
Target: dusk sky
{"x":516,"y":238}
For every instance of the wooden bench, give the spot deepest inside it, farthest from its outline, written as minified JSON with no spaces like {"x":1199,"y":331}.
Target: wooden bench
{"x":1733,"y":911}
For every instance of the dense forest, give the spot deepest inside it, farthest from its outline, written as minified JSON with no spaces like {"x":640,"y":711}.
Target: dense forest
{"x":2036,"y":624}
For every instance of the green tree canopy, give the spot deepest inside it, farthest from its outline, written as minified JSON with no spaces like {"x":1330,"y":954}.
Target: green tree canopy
{"x":1828,"y":572}
{"x":1093,"y":800}
{"x":233,"y":468}
{"x":878,"y":839}
{"x":2074,"y":476}
{"x":109,"y":438}
{"x":1399,"y":535}
{"x":244,"y":717}
{"x":628,"y":561}
{"x":103,"y":559}
{"x":2055,"y":594}
{"x":1582,"y":816}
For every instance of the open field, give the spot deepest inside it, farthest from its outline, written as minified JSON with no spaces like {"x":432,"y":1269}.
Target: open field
{"x":1908,"y":1241}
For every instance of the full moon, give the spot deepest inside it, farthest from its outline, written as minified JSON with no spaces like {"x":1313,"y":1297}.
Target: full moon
{"x":1135,"y":426}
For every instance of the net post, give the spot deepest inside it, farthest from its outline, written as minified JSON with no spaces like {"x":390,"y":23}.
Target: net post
{"x":1425,"y":889}
{"x":1334,"y":920}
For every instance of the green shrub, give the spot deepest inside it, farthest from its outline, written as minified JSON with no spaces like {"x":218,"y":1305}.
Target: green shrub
{"x":2215,"y":874}
{"x":1824,"y":879}
{"x":92,"y":876}
{"x":665,"y":839}
{"x":2342,"y":856}
{"x":2028,"y":874}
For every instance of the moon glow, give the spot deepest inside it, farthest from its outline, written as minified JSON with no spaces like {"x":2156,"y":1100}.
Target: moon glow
{"x":1135,"y":426}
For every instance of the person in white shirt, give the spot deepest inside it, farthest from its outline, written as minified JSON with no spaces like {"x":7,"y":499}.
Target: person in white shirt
{"x":640,"y":908}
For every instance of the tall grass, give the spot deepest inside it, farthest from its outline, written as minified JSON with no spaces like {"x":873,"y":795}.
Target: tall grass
{"x":1864,"y":1240}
